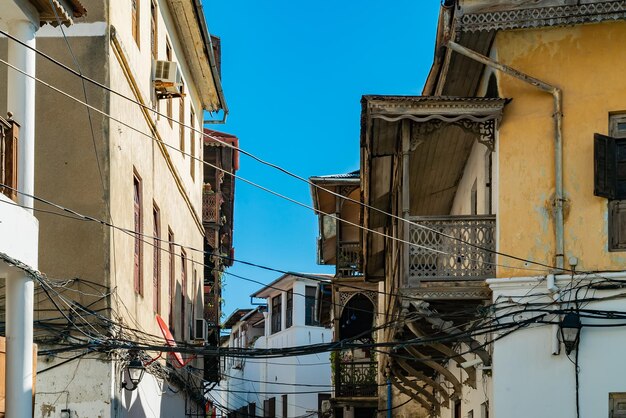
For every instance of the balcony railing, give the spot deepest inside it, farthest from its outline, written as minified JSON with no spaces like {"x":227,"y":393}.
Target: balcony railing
{"x":348,"y":259}
{"x":9,"y":132}
{"x":211,"y":203}
{"x":452,"y":248}
{"x":356,"y":379}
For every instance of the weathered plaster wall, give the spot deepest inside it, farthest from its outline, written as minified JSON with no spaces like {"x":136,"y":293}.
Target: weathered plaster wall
{"x":584,"y":61}
{"x":130,"y":150}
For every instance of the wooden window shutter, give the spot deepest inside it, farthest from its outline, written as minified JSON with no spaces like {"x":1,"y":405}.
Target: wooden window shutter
{"x":620,"y":168}
{"x":604,"y":166}
{"x":138,"y":238}
{"x":617,"y":225}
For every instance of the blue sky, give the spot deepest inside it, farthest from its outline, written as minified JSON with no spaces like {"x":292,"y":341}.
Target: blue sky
{"x":293,"y":75}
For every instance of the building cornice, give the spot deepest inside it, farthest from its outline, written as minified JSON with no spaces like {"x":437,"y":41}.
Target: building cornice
{"x":536,"y":17}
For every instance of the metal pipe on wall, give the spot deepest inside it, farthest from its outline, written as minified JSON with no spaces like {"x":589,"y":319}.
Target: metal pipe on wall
{"x":557,"y":96}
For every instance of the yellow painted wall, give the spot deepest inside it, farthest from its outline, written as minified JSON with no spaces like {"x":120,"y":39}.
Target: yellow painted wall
{"x":587,"y":62}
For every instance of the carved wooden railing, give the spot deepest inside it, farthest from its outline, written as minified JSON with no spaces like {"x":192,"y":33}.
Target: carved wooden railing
{"x":452,"y":248}
{"x":9,"y":132}
{"x":348,"y":259}
{"x":356,"y":379}
{"x":211,"y":203}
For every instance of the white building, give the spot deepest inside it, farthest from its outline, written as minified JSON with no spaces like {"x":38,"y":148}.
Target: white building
{"x":281,"y":386}
{"x":128,"y":165}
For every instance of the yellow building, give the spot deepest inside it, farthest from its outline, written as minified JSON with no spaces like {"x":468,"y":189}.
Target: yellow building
{"x":492,"y":193}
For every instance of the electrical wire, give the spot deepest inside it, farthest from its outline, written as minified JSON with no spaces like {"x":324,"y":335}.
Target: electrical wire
{"x":269,"y":164}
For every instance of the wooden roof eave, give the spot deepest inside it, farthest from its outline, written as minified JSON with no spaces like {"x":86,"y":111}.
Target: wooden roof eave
{"x":190,"y":24}
{"x":53,"y":11}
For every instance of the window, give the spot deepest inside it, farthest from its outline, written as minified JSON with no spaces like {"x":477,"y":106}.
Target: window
{"x":252,"y":410}
{"x":192,"y":144}
{"x":484,"y":410}
{"x":172,"y":278}
{"x":284,"y":404}
{"x":474,"y":199}
{"x":610,"y":178}
{"x":168,"y":56}
{"x":617,"y":405}
{"x":269,"y":408}
{"x":154,"y":42}
{"x":183,"y":291}
{"x":276,"y":313}
{"x":181,"y":119}
{"x":134,"y":4}
{"x":309,"y":305}
{"x":456,"y":412}
{"x":138,"y":220}
{"x":470,"y":414}
{"x":156,"y":260}
{"x":289,"y":309}
{"x":488,"y":183}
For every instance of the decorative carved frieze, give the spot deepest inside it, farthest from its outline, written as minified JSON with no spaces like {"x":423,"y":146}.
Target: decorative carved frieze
{"x":542,"y":16}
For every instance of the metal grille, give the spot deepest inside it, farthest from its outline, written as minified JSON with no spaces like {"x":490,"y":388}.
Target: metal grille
{"x":348,"y":259}
{"x":357,"y":379}
{"x":468,"y":255}
{"x":211,"y":202}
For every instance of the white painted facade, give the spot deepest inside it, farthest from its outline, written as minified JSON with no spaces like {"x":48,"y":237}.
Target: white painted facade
{"x":530,"y":375}
{"x":255,"y":380}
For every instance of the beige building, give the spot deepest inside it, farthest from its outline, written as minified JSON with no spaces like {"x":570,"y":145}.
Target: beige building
{"x":142,"y":172}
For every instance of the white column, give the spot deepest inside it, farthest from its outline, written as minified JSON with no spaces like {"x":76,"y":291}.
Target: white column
{"x":19,"y":288}
{"x":19,"y":343}
{"x":21,"y":101}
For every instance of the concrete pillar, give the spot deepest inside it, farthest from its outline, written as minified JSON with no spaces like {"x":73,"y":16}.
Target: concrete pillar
{"x":19,"y":343}
{"x":19,"y":288}
{"x":21,"y":101}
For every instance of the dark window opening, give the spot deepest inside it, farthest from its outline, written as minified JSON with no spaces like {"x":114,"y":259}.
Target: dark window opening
{"x":276,"y":313}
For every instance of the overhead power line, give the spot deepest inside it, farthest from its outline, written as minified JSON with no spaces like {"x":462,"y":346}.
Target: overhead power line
{"x":277,"y":167}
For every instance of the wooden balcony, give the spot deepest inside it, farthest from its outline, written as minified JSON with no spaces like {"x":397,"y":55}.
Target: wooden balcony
{"x":9,"y":131}
{"x":211,"y":203}
{"x":348,"y":259}
{"x":451,"y":248}
{"x":356,"y":379}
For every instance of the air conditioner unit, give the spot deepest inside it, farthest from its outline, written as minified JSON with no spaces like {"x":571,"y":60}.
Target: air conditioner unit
{"x":167,"y":79}
{"x":199,"y":330}
{"x":326,"y":406}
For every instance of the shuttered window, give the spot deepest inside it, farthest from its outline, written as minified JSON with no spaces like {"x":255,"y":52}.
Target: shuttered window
{"x":269,"y":408}
{"x":276,"y":313}
{"x":617,"y":405}
{"x":168,"y":56}
{"x":289,"y":309}
{"x":154,"y":42}
{"x":134,"y":4}
{"x":183,"y":291}
{"x":156,"y":260}
{"x":181,"y":119}
{"x":192,"y":144}
{"x":172,"y":278}
{"x":610,"y":178}
{"x":137,"y":222}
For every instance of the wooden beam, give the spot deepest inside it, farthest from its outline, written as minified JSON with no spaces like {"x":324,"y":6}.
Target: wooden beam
{"x":421,"y":376}
{"x":458,"y":387}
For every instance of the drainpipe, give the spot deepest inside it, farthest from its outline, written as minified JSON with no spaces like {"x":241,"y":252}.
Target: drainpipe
{"x":558,"y":135}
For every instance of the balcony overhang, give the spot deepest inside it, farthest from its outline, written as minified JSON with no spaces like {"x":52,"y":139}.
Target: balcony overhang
{"x":439,"y":133}
{"x":325,"y":201}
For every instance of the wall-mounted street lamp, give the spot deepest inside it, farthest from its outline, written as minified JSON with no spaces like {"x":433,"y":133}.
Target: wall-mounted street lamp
{"x":570,"y":331}
{"x":135,"y":371}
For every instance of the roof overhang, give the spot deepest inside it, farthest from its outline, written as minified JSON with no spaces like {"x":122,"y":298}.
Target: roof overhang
{"x":191,"y":26}
{"x":440,"y":134}
{"x":323,"y":189}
